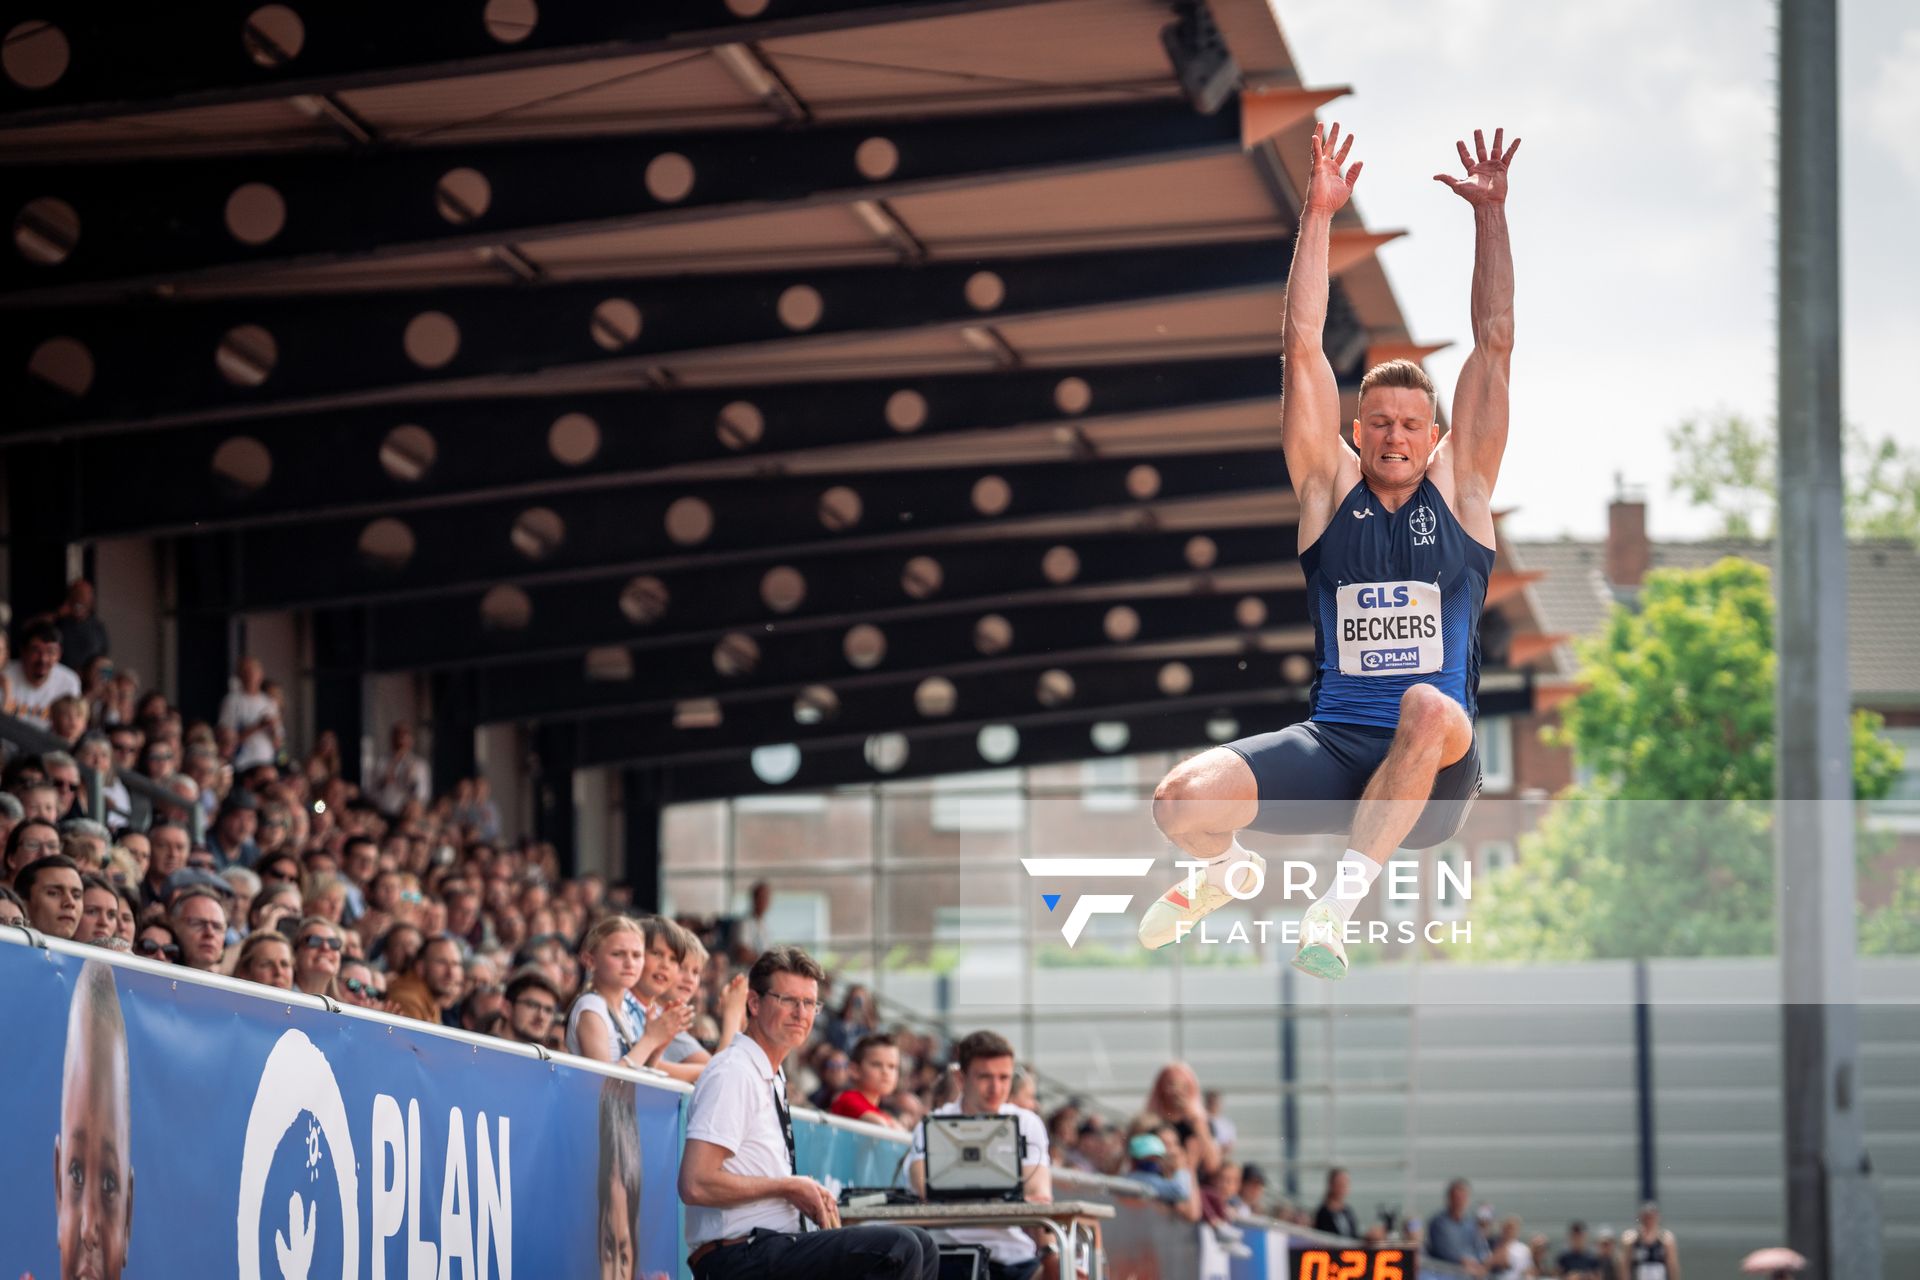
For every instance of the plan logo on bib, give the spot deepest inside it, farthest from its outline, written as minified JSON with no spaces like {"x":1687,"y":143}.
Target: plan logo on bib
{"x":1423,"y":523}
{"x":297,"y":1085}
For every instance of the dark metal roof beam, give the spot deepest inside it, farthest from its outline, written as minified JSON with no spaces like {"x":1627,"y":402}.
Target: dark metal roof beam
{"x":162,"y":361}
{"x":120,"y":59}
{"x":1046,"y":738}
{"x":497,"y":543}
{"x":769,"y":661}
{"x":393,"y":458}
{"x":836,"y":588}
{"x":152,"y":221}
{"x":957,"y":699}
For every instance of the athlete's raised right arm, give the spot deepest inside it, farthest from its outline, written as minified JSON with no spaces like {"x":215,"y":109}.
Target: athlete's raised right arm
{"x":1310,"y":400}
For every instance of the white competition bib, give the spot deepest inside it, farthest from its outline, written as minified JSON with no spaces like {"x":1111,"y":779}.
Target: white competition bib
{"x":1390,"y":628}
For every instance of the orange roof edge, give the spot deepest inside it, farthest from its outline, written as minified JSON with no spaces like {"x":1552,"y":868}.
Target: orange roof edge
{"x":1267,"y":112}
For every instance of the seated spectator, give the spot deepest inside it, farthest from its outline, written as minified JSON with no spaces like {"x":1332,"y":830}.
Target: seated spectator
{"x":1026,"y":1090}
{"x":13,"y":911}
{"x":1577,"y":1261}
{"x":67,"y":719}
{"x":1253,"y":1189}
{"x":684,"y":1057}
{"x":395,"y":950}
{"x":1089,"y":1151}
{"x":231,"y":839}
{"x":99,"y":909}
{"x":876,"y":1073}
{"x":276,"y":869}
{"x":316,"y":955}
{"x":170,"y":844}
{"x":156,"y":940}
{"x":85,"y":841}
{"x":29,"y":841}
{"x":857,"y":1018}
{"x":1156,"y":1160}
{"x":267,"y":959}
{"x":1225,"y":1132}
{"x":1063,"y":1126}
{"x":835,"y":1074}
{"x":51,"y":889}
{"x":1335,"y":1216}
{"x":607,"y":1022}
{"x":10,"y":815}
{"x":1453,"y":1234}
{"x":434,"y":982}
{"x":271,"y":907}
{"x":37,"y":677}
{"x":199,"y":917}
{"x":533,"y":1007}
{"x":1176,"y":1099}
{"x":1603,"y":1249}
{"x":63,"y":775}
{"x":245,"y":887}
{"x":357,"y":984}
{"x":327,"y":898}
{"x":40,"y":800}
{"x":1510,"y":1258}
{"x":985,"y":1060}
{"x":738,"y":1179}
{"x":126,"y":914}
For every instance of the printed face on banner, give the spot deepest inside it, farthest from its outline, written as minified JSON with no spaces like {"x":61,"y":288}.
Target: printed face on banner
{"x":92,"y":1156}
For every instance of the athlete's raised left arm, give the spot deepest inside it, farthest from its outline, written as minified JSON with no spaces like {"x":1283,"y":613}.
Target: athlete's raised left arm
{"x":1479,"y":435}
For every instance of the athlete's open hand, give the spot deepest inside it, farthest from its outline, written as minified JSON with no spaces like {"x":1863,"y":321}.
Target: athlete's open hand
{"x":1486,"y":180}
{"x":1327,"y":187}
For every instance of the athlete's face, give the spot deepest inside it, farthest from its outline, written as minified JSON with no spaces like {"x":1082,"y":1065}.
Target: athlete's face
{"x":1395,"y":434}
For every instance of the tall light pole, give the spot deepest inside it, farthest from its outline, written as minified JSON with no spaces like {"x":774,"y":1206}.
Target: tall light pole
{"x":1831,"y":1216}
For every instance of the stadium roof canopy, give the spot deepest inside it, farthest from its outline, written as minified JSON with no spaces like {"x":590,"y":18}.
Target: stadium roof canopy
{"x":895,"y":382}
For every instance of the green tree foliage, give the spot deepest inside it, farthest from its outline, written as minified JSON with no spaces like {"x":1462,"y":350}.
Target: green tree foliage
{"x":1726,"y":463}
{"x":1668,"y":850}
{"x":1895,"y":928}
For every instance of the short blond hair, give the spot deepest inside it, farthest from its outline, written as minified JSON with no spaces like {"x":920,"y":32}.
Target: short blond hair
{"x":1400,"y":373}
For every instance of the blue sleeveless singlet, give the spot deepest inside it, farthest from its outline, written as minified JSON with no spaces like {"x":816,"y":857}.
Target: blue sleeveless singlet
{"x":1395,"y":599}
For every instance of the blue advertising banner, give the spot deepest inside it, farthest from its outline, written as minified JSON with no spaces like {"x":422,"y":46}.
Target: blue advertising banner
{"x":840,"y":1156}
{"x":162,"y":1126}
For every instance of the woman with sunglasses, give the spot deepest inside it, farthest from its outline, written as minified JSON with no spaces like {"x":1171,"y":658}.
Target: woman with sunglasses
{"x":317,"y":949}
{"x":156,"y":940}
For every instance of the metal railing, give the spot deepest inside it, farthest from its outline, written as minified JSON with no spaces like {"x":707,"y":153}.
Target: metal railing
{"x":34,"y":740}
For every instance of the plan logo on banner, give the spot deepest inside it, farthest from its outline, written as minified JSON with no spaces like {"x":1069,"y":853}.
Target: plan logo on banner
{"x":296,"y":1081}
{"x":1093,"y":904}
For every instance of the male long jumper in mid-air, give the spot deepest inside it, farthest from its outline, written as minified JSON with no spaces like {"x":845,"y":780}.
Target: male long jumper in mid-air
{"x":1396,"y":542}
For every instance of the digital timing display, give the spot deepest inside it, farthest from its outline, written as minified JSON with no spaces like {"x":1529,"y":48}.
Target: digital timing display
{"x":1311,"y":1262}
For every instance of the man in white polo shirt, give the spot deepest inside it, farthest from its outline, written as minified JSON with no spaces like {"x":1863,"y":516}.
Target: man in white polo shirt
{"x":986,"y":1083}
{"x":748,"y":1210}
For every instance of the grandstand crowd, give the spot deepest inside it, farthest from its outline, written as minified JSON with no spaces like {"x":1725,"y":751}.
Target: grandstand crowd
{"x":400,"y":896}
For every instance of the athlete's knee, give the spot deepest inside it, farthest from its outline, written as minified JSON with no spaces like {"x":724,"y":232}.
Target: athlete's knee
{"x":1428,"y":713}
{"x":1174,"y":793}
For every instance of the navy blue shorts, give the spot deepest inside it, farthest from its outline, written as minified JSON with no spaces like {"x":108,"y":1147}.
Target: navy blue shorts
{"x":1311,"y":776}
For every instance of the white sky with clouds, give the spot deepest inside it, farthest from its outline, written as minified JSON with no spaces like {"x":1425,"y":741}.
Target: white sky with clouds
{"x":1642,"y":213}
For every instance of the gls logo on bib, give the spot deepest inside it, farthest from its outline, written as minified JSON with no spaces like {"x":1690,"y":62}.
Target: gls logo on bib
{"x":297,"y":1081}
